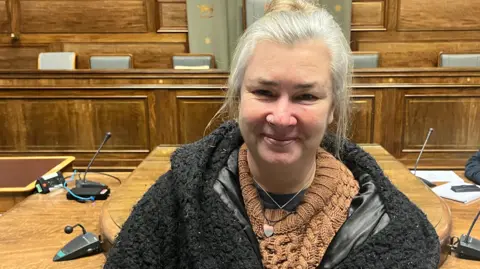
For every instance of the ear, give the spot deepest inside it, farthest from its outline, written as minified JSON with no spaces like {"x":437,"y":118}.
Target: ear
{"x":330,"y":116}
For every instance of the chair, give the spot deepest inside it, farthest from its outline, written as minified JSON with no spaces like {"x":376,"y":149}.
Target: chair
{"x":111,"y":62}
{"x":57,"y":60}
{"x":459,"y":59}
{"x":365,"y":59}
{"x":193,"y":61}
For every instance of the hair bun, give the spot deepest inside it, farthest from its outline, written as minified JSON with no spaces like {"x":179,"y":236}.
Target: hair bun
{"x":291,"y":5}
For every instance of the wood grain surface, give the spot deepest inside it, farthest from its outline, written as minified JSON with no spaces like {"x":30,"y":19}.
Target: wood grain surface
{"x":32,"y":232}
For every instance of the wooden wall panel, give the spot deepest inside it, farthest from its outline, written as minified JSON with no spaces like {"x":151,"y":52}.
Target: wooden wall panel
{"x":8,"y":125}
{"x":145,"y":55}
{"x":454,"y":118}
{"x":70,"y":16}
{"x":20,"y":57}
{"x":368,"y":15}
{"x":4,"y":17}
{"x":80,"y":123}
{"x":415,"y":31}
{"x":416,"y":15}
{"x":172,"y":16}
{"x":194,"y":113}
{"x":415,"y":54}
{"x":363,"y":114}
{"x":392,"y":107}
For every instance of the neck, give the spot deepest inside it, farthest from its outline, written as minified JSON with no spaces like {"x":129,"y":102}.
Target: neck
{"x":282,"y":179}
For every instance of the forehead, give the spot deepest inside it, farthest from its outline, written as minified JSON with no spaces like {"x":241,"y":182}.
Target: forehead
{"x":307,"y":61}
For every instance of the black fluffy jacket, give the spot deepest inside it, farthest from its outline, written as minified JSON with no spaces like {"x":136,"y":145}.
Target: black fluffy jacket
{"x":194,"y":217}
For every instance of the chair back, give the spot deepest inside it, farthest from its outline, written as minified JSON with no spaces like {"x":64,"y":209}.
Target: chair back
{"x":193,"y":61}
{"x":365,"y":59}
{"x":57,"y":60}
{"x":111,"y":62}
{"x":459,"y":60}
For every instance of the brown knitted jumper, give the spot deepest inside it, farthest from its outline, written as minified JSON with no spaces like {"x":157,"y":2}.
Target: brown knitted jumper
{"x":301,"y":239}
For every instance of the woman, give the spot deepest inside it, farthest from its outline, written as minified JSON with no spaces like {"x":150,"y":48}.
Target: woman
{"x":259,"y":191}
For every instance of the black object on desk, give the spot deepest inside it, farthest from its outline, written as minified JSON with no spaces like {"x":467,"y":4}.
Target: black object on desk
{"x":465,"y":188}
{"x":97,"y":193}
{"x":83,"y":245}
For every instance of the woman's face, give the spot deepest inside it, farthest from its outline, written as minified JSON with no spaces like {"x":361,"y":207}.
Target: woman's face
{"x":286,"y":101}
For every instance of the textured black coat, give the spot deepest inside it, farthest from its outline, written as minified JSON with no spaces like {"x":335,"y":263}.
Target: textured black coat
{"x":181,"y":222}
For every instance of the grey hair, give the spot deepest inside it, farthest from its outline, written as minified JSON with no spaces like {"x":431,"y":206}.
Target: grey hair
{"x":289,"y":22}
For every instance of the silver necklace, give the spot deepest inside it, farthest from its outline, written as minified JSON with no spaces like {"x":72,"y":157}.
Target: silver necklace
{"x":273,"y":200}
{"x":268,"y":229}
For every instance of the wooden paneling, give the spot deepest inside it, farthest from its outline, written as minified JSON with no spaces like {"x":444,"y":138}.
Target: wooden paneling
{"x":20,"y":57}
{"x":415,"y":54}
{"x":416,"y":31}
{"x":194,"y":113}
{"x":145,"y":108}
{"x":92,"y":27}
{"x":368,"y":15}
{"x":145,"y":55}
{"x":172,"y":16}
{"x":70,"y":16}
{"x":4,"y":17}
{"x":461,"y":112}
{"x":55,"y":122}
{"x":416,"y":15}
{"x":8,"y":126}
{"x":61,"y":124}
{"x":362,"y":119}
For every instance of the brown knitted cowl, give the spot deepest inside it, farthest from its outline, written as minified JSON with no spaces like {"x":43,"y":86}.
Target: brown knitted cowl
{"x":301,"y":239}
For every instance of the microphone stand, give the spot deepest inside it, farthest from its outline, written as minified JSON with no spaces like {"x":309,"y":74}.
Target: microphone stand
{"x":428,"y":183}
{"x":84,"y":183}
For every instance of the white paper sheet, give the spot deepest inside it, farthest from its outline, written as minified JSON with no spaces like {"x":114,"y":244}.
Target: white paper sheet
{"x":463,"y":197}
{"x":439,"y":176}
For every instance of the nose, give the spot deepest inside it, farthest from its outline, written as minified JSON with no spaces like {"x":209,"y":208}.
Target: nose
{"x":281,"y":114}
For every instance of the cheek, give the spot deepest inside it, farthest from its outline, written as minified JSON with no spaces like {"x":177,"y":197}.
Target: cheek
{"x":315,"y":119}
{"x":251,"y":111}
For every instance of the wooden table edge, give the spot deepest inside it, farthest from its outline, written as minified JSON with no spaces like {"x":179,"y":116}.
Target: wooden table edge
{"x":68,"y":161}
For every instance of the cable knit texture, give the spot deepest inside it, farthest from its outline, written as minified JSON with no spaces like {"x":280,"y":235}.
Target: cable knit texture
{"x":301,"y":239}
{"x":183,"y":222}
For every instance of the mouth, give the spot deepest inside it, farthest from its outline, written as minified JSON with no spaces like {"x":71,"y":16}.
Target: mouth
{"x":279,"y":141}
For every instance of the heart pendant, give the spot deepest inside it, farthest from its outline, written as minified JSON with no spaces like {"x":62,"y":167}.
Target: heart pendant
{"x":267,"y":230}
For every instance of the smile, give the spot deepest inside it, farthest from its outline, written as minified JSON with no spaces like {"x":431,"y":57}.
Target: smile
{"x":280,"y":142}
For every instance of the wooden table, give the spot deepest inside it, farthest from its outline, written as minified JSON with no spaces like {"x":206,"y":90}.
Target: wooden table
{"x":31,"y":232}
{"x":117,"y":209}
{"x":19,"y":174}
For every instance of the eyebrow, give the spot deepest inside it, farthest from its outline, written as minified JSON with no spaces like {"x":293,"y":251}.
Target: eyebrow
{"x":301,"y":86}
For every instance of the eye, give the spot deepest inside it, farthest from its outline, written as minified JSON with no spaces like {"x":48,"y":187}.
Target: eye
{"x":264,"y":93}
{"x":306,"y":97}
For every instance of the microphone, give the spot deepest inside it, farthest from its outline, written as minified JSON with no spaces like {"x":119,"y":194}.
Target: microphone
{"x":83,"y":245}
{"x":83,"y":183}
{"x":468,"y":247}
{"x":69,"y":229}
{"x":428,"y":183}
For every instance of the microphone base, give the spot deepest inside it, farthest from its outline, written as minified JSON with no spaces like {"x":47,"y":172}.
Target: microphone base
{"x":89,"y":184}
{"x":99,"y":193}
{"x":468,"y":249}
{"x":426,"y":182}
